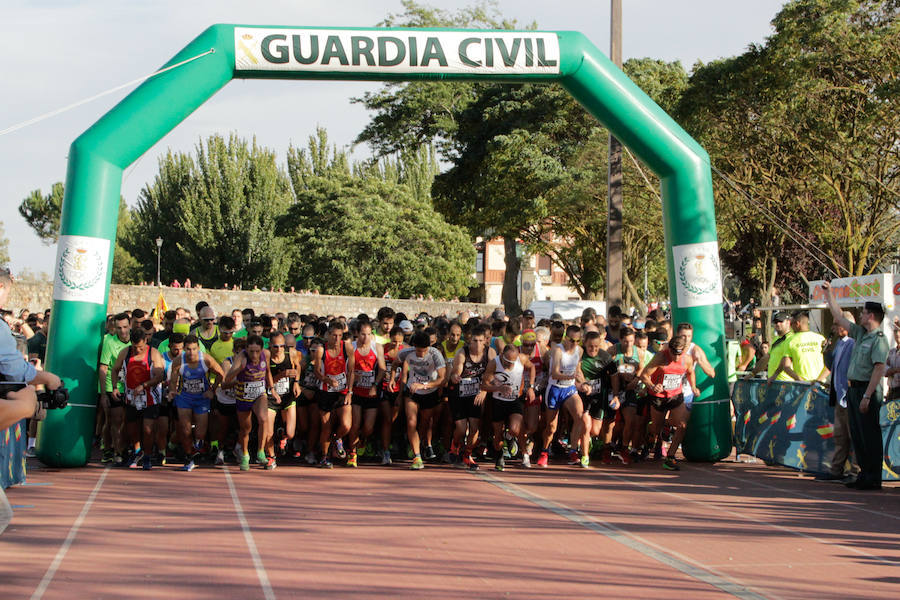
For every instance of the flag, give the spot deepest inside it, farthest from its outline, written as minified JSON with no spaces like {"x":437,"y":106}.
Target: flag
{"x":161,"y":306}
{"x":826,"y":431}
{"x":763,"y":418}
{"x":746,"y":417}
{"x":775,"y":417}
{"x":792,"y":422}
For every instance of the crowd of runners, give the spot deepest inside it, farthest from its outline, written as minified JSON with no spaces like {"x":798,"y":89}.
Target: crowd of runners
{"x":288,"y":388}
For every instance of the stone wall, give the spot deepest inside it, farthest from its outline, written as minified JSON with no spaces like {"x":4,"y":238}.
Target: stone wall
{"x":38,"y":296}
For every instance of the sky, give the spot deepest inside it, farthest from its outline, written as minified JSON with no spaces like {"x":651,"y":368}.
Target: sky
{"x":61,"y":52}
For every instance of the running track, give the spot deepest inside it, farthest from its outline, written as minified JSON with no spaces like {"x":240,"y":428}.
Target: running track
{"x":710,"y":531}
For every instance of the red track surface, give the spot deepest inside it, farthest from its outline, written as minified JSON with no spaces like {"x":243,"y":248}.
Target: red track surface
{"x":710,"y":531}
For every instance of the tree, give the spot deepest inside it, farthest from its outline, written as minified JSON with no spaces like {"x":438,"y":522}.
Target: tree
{"x":42,"y":213}
{"x":217,"y":215}
{"x":366,"y":233}
{"x":4,"y":247}
{"x":807,"y":128}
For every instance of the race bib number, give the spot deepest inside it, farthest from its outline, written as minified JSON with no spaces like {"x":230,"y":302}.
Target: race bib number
{"x":282,"y":386}
{"x":341,"y":382}
{"x":254,"y":389}
{"x":626,"y":369}
{"x":194,"y":386}
{"x":310,"y":380}
{"x":470,"y":386}
{"x":139,"y":401}
{"x":365,"y":379}
{"x":671,"y":382}
{"x":596,"y":386}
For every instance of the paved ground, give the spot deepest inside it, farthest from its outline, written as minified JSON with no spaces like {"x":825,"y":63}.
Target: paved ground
{"x":709,"y":531}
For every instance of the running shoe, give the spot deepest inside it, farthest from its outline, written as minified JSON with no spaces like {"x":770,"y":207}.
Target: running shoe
{"x":469,"y":462}
{"x":429,"y":453}
{"x":270,"y":463}
{"x":417,"y":464}
{"x":543,"y":459}
{"x":574,"y":459}
{"x":107,"y":457}
{"x":526,"y":461}
{"x":351,"y":460}
{"x":585,"y":462}
{"x":282,"y":444}
{"x":261,"y":457}
{"x":325,"y":463}
{"x":626,"y":457}
{"x":513,"y":447}
{"x":386,"y":458}
{"x":339,"y":448}
{"x":452,"y":458}
{"x":500,"y":463}
{"x":504,"y":450}
{"x":448,"y":458}
{"x":188,"y":466}
{"x":671,"y":464}
{"x":245,"y":462}
{"x":297,"y":455}
{"x":147,"y":464}
{"x":606,"y":455}
{"x":136,"y":459}
{"x":310,"y":458}
{"x":31,"y":452}
{"x":220,"y":457}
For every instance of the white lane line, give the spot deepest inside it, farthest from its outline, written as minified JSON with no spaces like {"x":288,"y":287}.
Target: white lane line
{"x":743,"y":517}
{"x":61,"y":553}
{"x":842,"y":503}
{"x":686,"y":565}
{"x":251,"y":545}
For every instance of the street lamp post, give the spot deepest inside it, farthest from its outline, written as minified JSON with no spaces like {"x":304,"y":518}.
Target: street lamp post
{"x":158,"y":250}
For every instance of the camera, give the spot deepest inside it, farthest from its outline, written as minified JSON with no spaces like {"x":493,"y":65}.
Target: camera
{"x":47,"y":400}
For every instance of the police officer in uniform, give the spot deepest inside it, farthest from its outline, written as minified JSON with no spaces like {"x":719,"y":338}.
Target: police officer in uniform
{"x":864,"y":395}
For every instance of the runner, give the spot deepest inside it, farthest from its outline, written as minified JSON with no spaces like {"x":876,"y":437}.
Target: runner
{"x":385,"y":318}
{"x":113,"y":406}
{"x":423,"y":375}
{"x":252,"y":378}
{"x":190,"y":387}
{"x":220,"y":350}
{"x":283,"y":363}
{"x":450,"y":346}
{"x":332,"y":363}
{"x":504,"y":379}
{"x":635,"y":406}
{"x":167,"y":411}
{"x":599,"y":386}
{"x":698,"y":357}
{"x":534,"y":346}
{"x":561,"y":393}
{"x":308,"y":413}
{"x":467,"y":397}
{"x":144,"y":371}
{"x":208,"y":331}
{"x":389,"y":407}
{"x":365,"y":381}
{"x":663,"y":378}
{"x":225,"y":404}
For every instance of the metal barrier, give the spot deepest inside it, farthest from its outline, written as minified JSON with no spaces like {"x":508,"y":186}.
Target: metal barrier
{"x":791,"y":424}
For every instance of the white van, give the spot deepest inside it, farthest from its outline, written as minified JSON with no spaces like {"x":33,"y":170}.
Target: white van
{"x":569,"y":309}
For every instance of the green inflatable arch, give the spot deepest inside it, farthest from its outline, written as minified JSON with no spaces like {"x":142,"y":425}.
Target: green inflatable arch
{"x":224,"y":52}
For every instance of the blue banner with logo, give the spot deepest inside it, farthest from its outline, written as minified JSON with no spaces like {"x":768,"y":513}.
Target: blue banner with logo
{"x":791,"y":424}
{"x":12,"y":455}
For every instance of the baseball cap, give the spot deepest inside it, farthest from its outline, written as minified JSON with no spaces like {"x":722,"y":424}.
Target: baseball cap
{"x":529,"y":336}
{"x":406,"y":326}
{"x":780,"y":316}
{"x":528,"y":313}
{"x":181,"y":328}
{"x":498,"y":314}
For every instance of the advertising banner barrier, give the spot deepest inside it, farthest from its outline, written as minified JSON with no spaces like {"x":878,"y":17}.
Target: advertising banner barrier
{"x":12,"y":455}
{"x":791,"y":424}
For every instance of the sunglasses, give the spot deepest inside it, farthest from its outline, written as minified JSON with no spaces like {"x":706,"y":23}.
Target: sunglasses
{"x":209,"y":320}
{"x":276,"y":345}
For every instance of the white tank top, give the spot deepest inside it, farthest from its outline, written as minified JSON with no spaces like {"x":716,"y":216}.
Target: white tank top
{"x":511,"y":377}
{"x":567,"y":365}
